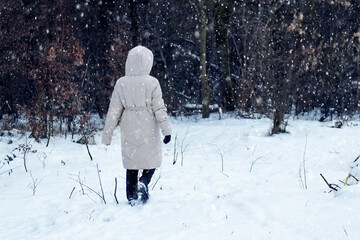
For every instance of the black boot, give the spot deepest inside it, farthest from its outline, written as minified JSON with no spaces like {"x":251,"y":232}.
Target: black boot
{"x":144,"y":183}
{"x":131,"y":186}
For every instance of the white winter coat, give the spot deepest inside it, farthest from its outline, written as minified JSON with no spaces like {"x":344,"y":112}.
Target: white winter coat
{"x":137,"y":102}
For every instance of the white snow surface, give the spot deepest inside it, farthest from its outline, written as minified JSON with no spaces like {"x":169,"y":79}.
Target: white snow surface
{"x":194,"y":201}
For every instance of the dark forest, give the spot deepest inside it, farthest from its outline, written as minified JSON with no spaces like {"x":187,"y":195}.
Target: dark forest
{"x":60,"y":59}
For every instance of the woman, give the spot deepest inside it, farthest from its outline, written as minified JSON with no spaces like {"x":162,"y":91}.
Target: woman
{"x":137,"y":102}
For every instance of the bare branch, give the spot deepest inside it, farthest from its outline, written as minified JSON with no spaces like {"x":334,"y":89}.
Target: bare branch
{"x":35,"y":183}
{"x":176,"y":153}
{"x":183,"y":148}
{"x":90,"y":214}
{"x":157,"y":179}
{"x":302,"y":169}
{"x":117,"y":202}
{"x":331,"y":186}
{"x":89,"y":188}
{"x":221,"y":155}
{"x":82,"y":185}
{"x":101,"y":187}
{"x":253,"y":162}
{"x":195,"y":6}
{"x":9,"y":171}
{"x":87,"y":147}
{"x":71,"y":192}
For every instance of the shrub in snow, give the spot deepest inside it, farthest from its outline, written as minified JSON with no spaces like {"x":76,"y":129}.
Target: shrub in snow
{"x":351,"y":179}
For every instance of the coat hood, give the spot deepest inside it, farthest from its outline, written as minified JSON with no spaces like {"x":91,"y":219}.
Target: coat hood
{"x":139,"y":61}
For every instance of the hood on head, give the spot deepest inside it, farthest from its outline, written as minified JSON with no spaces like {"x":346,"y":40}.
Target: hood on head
{"x":139,"y":61}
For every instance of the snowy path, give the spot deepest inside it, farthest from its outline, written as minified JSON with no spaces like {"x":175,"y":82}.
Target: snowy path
{"x":194,"y":201}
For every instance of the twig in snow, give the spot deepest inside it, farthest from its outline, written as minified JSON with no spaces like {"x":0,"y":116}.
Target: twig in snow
{"x":90,"y":214}
{"x":9,"y":171}
{"x":25,"y":149}
{"x":354,"y":177}
{"x":350,"y":175}
{"x":221,"y":155}
{"x":302,"y":169}
{"x":347,"y":178}
{"x":42,"y":159}
{"x":71,"y":192}
{"x":87,"y":147}
{"x":176,"y":153}
{"x":224,"y":174}
{"x":331,"y":186}
{"x":183,"y":148}
{"x":345,"y":183}
{"x":82,"y":185}
{"x":254,"y":161}
{"x":157,"y":179}
{"x":87,"y":187}
{"x":35,"y":183}
{"x":117,"y":202}
{"x":222,"y":159}
{"x":345,"y":231}
{"x":356,"y":158}
{"x":101,"y":187}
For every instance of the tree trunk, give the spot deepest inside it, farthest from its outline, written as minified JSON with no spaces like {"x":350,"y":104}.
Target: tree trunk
{"x":205,"y":88}
{"x":221,"y":33}
{"x":167,"y":77}
{"x":278,"y":122}
{"x":134,"y":23}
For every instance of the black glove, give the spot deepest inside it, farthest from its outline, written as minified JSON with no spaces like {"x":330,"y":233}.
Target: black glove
{"x":167,"y":139}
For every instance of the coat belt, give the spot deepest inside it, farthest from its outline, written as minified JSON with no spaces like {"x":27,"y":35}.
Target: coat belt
{"x":143,"y":108}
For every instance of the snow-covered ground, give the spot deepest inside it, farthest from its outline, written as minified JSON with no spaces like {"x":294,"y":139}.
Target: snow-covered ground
{"x":194,"y":201}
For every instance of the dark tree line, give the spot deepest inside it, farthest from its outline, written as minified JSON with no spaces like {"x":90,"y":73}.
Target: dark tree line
{"x":60,"y":59}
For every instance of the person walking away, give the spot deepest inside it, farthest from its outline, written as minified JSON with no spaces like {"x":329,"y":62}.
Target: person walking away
{"x":137,"y":103}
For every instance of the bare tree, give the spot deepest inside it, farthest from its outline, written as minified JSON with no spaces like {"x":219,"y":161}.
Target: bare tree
{"x":222,"y":20}
{"x":205,"y":88}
